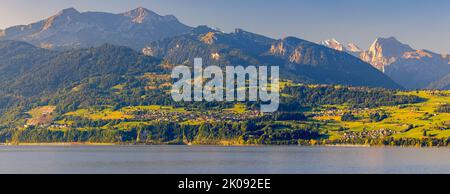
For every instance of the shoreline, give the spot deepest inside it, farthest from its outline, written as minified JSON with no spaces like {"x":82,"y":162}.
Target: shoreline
{"x":65,"y":144}
{"x":59,"y":144}
{"x":354,"y":145}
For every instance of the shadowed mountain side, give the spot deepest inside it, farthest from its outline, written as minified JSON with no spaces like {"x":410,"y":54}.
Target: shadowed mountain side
{"x":55,"y":70}
{"x":299,"y":60}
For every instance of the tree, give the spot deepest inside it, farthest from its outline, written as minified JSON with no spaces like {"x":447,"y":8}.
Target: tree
{"x":377,"y":117}
{"x":348,"y":117}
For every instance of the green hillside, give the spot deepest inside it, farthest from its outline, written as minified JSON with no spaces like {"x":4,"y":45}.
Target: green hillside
{"x":113,"y":94}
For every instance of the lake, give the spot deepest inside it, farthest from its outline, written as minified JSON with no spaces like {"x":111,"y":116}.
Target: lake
{"x":215,"y":159}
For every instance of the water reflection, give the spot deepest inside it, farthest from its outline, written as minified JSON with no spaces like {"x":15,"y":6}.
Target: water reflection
{"x":211,"y":159}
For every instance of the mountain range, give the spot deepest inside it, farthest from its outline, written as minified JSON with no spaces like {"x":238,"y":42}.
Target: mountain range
{"x":299,"y":60}
{"x":70,"y":29}
{"x":166,"y":38}
{"x":351,"y":48}
{"x":106,"y":78}
{"x":411,"y":68}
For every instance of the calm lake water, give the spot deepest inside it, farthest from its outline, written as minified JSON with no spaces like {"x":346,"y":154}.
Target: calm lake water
{"x":211,"y":159}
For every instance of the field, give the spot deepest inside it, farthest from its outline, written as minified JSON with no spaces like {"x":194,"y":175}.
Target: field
{"x":41,"y":115}
{"x":153,"y":108}
{"x":238,"y":108}
{"x":106,"y":114}
{"x":321,"y":123}
{"x":409,"y":121}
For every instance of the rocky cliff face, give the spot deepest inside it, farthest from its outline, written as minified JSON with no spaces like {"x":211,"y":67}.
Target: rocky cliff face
{"x":385,"y":51}
{"x":413,"y":69}
{"x":299,"y":60}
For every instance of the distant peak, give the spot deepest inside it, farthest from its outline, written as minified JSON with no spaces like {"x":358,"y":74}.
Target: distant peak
{"x":387,"y":40}
{"x":392,"y":43}
{"x":391,"y":39}
{"x":238,"y":30}
{"x":242,"y":32}
{"x":203,"y":29}
{"x":61,"y":15}
{"x":334,"y":44}
{"x":350,"y":48}
{"x":141,"y":15}
{"x":333,"y":40}
{"x":353,"y":47}
{"x":385,"y":51}
{"x":141,"y":10}
{"x":69,"y":11}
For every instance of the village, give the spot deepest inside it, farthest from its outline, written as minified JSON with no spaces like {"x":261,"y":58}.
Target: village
{"x":197,"y":116}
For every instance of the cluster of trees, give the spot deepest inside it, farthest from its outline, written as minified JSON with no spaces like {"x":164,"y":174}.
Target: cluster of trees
{"x":443,"y":108}
{"x":43,"y":135}
{"x":289,"y":116}
{"x":171,"y":133}
{"x":174,"y":133}
{"x":390,"y":141}
{"x":348,"y":116}
{"x":377,"y":117}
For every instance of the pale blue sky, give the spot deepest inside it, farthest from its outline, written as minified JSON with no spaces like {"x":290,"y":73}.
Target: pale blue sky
{"x":422,"y":24}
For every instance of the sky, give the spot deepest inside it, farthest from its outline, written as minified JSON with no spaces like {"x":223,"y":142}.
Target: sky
{"x":421,"y":24}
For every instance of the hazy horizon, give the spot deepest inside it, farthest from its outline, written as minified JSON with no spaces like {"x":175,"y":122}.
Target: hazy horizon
{"x":419,"y":24}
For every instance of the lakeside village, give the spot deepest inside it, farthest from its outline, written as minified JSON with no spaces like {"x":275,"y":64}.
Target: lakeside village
{"x":46,"y":118}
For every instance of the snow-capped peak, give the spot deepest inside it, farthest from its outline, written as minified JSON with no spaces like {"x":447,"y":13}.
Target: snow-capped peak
{"x":352,"y":47}
{"x":334,"y":44}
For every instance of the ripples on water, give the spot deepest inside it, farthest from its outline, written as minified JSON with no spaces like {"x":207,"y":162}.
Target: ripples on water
{"x":210,"y":159}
